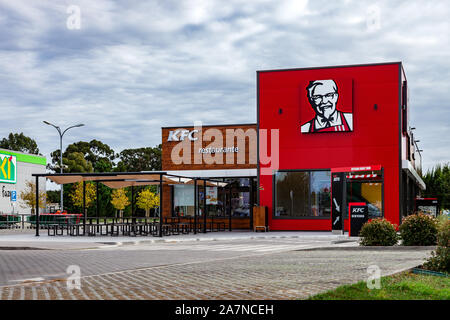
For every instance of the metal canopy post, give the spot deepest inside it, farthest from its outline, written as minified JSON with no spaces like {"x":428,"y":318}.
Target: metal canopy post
{"x":132,"y":201}
{"x":204,"y":206}
{"x":37,"y":206}
{"x":229,"y":199}
{"x":252,"y":200}
{"x":133,"y":217}
{"x":344,"y":202}
{"x":160,"y":204}
{"x":84,"y":207}
{"x":97,"y":208}
{"x":195,"y":206}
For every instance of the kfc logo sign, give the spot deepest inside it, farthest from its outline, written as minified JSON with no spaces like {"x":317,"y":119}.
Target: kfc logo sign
{"x":179,"y":135}
{"x":329,"y":115}
{"x":358,"y":210}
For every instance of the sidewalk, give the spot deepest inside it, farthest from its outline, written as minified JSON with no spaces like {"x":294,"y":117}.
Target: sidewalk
{"x":30,"y":241}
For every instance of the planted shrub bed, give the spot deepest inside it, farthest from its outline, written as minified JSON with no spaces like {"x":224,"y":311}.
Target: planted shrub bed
{"x":378,"y":232}
{"x":419,"y":230}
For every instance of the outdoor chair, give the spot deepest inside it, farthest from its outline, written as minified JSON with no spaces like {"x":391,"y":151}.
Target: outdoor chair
{"x":52,"y":229}
{"x":73,"y":229}
{"x":114,"y":229}
{"x":184,"y":227}
{"x":166,"y":229}
{"x":220,"y":226}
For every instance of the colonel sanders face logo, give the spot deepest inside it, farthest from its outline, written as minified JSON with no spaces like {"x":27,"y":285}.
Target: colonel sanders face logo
{"x":323,"y":96}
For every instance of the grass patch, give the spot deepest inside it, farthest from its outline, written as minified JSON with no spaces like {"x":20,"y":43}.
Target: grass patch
{"x":402,"y":286}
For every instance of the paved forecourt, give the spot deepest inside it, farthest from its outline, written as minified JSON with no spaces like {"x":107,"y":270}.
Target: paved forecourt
{"x":283,"y":268}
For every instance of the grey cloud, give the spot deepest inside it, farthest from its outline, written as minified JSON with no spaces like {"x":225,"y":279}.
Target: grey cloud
{"x":135,"y":66}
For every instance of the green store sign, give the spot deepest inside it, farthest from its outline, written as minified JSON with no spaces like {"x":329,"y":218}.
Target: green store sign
{"x":8,"y":168}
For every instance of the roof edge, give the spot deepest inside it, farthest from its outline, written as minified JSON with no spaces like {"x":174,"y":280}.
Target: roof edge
{"x":329,"y":67}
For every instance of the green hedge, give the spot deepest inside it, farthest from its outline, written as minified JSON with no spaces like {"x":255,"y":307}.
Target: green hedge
{"x":419,"y":230}
{"x":378,"y":232}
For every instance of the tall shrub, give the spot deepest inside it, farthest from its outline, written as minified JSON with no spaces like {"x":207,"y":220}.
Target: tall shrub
{"x":418,"y":230}
{"x":440,"y":258}
{"x":378,"y":232}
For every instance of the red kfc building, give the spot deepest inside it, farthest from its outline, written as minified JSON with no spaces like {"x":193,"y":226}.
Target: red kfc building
{"x":343,"y":136}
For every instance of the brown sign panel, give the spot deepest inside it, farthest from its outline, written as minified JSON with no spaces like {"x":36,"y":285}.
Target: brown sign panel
{"x":209,"y":147}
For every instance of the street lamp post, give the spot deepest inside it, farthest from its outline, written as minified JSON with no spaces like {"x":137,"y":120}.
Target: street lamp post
{"x":61,"y":134}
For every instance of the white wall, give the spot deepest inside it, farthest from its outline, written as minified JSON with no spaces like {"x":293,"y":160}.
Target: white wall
{"x":24,"y":172}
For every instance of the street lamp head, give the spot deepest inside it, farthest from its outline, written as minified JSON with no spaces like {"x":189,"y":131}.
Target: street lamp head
{"x":79,"y":125}
{"x":51,"y":124}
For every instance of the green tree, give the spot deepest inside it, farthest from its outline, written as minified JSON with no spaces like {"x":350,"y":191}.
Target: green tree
{"x":19,"y":142}
{"x":99,"y":154}
{"x":75,"y":162}
{"x":437,"y":181}
{"x":140,"y":159}
{"x":53,"y":196}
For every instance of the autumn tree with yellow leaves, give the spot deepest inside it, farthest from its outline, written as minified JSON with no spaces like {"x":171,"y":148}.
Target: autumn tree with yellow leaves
{"x":28,"y":196}
{"x":119,"y":200}
{"x":147,"y":200}
{"x":77,"y":194}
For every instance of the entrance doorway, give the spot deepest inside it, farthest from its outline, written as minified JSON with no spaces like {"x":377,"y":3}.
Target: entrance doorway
{"x":356,"y":184}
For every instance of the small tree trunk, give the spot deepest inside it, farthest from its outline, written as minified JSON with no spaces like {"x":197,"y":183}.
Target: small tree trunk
{"x":147,"y":213}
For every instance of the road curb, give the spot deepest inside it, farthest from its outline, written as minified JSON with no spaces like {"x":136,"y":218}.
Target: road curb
{"x":23,"y":248}
{"x":110,"y":244}
{"x":172,"y":240}
{"x":369,"y":248}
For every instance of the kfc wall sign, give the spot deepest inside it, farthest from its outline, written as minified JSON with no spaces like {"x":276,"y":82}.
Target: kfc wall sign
{"x":326,"y":106}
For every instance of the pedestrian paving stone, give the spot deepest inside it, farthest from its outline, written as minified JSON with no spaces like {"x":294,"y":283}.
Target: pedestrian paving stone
{"x":282,"y":275}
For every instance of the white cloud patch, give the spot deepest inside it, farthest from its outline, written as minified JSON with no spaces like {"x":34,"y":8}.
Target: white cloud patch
{"x":135,"y":66}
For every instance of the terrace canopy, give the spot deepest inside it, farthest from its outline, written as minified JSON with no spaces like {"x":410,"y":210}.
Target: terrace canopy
{"x":116,"y":180}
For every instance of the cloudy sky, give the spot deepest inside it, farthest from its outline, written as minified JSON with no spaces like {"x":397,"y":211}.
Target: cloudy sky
{"x":127,"y":68}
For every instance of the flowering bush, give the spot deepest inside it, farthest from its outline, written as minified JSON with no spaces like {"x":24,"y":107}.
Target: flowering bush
{"x":378,"y":232}
{"x":418,"y":230}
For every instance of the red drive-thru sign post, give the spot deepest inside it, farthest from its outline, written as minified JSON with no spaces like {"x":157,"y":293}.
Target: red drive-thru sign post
{"x":339,"y":178}
{"x":358,"y":214}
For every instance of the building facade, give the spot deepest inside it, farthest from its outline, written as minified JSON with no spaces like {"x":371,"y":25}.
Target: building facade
{"x":220,"y":153}
{"x":342,"y":131}
{"x":16,"y":169}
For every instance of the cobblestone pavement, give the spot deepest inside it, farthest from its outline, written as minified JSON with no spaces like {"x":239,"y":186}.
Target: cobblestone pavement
{"x":199,"y":274}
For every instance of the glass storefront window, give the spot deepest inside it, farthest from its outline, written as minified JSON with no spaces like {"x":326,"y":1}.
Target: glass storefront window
{"x":233,"y":199}
{"x":320,"y":193}
{"x":302,"y":194}
{"x":183,"y":200}
{"x":238,"y":197}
